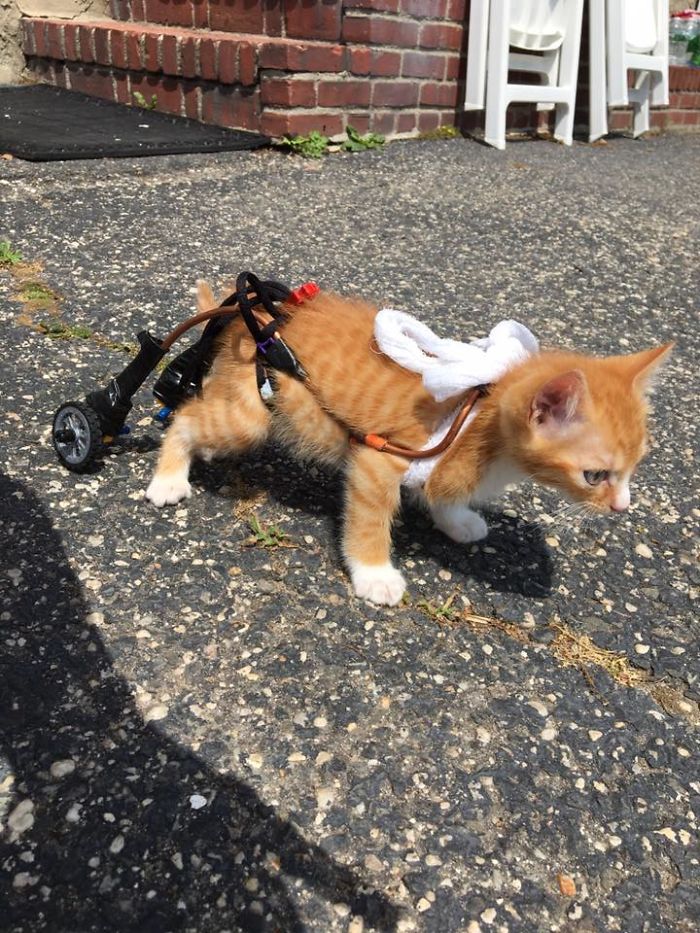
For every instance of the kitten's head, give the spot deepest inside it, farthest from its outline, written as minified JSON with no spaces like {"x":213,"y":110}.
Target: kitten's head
{"x":578,"y":423}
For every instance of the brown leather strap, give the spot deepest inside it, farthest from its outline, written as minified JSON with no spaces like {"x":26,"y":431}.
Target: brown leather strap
{"x":382,"y":444}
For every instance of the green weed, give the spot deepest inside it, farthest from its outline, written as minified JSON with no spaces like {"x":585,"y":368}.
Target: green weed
{"x":35,"y":291}
{"x":313,"y":146}
{"x":358,"y":143}
{"x":142,"y":102}
{"x":270,"y":536}
{"x":9,"y":256}
{"x":442,"y":132}
{"x":59,"y":330}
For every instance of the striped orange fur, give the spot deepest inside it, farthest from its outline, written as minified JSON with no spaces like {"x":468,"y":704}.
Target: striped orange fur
{"x":559,"y":418}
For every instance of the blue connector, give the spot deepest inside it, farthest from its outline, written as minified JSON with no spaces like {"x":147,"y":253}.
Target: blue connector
{"x":163,"y":415}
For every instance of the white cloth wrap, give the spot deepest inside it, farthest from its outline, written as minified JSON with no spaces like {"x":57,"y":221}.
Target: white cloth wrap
{"x":449,"y":367}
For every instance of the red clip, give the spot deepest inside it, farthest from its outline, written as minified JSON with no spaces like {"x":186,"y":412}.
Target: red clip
{"x":304,"y":293}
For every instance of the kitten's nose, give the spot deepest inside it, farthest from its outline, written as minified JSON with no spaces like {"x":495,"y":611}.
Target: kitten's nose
{"x":621,"y":499}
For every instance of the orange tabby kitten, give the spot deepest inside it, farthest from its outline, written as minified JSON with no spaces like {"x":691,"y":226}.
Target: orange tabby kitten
{"x":573,"y":422}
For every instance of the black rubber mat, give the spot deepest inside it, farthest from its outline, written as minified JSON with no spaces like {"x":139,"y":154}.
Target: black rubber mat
{"x":44,"y":124}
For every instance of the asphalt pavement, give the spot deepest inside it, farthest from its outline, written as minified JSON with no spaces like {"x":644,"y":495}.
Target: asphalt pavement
{"x":201,"y":728}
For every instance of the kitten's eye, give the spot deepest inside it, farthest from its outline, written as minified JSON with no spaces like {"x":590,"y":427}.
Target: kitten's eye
{"x":595,"y":477}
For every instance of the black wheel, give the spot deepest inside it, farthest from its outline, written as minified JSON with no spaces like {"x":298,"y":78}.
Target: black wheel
{"x":76,"y":436}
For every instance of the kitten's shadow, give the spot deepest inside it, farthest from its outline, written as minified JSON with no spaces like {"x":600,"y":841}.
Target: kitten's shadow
{"x":512,"y":559}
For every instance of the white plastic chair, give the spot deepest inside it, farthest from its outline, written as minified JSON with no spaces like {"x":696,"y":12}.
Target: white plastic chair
{"x":538,"y":36}
{"x":627,"y":35}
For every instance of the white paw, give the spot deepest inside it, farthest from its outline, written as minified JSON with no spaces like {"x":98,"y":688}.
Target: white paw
{"x":459,"y":523}
{"x":379,"y":583}
{"x":168,"y":489}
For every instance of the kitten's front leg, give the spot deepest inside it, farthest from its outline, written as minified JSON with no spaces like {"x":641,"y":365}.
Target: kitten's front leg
{"x":458,"y":521}
{"x":372,"y":498}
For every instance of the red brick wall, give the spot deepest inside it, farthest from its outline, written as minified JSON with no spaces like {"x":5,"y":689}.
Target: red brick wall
{"x":287,"y":66}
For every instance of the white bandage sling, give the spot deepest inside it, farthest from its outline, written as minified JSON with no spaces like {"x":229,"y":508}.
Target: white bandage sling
{"x":449,"y":367}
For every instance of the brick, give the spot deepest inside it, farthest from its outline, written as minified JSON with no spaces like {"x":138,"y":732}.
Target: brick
{"x":453,"y":67}
{"x":457,"y":11}
{"x":383,"y":121}
{"x":189,"y":57}
{"x":151,"y":52}
{"x":343,"y":93}
{"x":169,"y":94}
{"x":444,"y":94}
{"x":313,"y":20}
{"x":385,"y":62}
{"x":428,"y":9}
{"x":122,"y":89}
{"x":54,"y":40}
{"x":237,"y":16}
{"x":59,"y":75}
{"x":377,"y":30}
{"x":119,"y":9}
{"x":103,"y":54}
{"x":359,"y":122}
{"x":280,"y":122}
{"x":136,"y":52}
{"x":406,"y":122}
{"x":428,"y":120}
{"x":169,"y":54}
{"x":359,"y":61}
{"x":86,"y":43}
{"x":423,"y":65}
{"x":237,"y":107}
{"x":288,"y":92}
{"x":169,"y":12}
{"x":138,"y":10}
{"x":274,"y":21}
{"x":247,"y":63}
{"x":228,"y":62}
{"x":441,"y":36}
{"x":683,"y":78}
{"x":208,"y":58}
{"x":71,"y":42}
{"x":395,"y":93}
{"x":448,"y":118}
{"x":89,"y":80}
{"x":117,"y":41}
{"x":191,"y":96}
{"x":40,"y":47}
{"x":288,"y":56}
{"x":27,"y":27}
{"x":377,"y":6}
{"x":200,"y":14}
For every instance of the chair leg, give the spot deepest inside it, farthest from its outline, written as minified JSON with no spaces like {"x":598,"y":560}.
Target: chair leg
{"x":640,"y":122}
{"x":597,"y":99}
{"x":476,"y":56}
{"x":568,"y":74}
{"x":497,"y":75}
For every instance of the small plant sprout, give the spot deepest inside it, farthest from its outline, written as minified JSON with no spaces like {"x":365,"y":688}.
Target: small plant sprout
{"x":8,"y":255}
{"x":142,"y":102}
{"x":358,"y":143}
{"x":313,"y":146}
{"x":269,"y":536}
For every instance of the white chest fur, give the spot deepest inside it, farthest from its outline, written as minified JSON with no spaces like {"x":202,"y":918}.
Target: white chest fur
{"x":500,"y":473}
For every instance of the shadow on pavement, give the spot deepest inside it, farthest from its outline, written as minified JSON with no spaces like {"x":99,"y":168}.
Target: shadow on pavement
{"x":116,"y":843}
{"x":518,"y":560}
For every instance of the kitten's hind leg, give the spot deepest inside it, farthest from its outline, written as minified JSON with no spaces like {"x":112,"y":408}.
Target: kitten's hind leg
{"x":373,"y":495}
{"x":458,"y":521}
{"x":218,"y":422}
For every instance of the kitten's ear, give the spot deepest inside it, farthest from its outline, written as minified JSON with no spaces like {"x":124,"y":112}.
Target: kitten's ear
{"x":642,"y":367}
{"x":558,"y":402}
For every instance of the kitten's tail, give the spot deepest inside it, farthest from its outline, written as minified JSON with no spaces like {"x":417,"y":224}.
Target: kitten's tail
{"x":205,"y":296}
